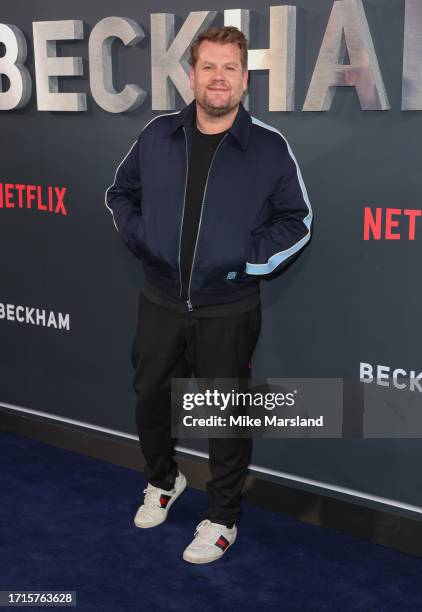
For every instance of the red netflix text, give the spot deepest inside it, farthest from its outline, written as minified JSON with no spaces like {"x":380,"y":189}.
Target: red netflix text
{"x":48,"y":199}
{"x":390,"y":223}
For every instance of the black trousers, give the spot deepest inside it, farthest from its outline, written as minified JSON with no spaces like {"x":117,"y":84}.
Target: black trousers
{"x":169,"y":344}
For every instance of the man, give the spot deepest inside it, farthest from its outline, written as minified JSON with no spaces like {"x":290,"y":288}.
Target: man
{"x":210,"y":199}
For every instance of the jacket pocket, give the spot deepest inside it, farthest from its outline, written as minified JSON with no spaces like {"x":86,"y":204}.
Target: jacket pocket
{"x":140,"y":231}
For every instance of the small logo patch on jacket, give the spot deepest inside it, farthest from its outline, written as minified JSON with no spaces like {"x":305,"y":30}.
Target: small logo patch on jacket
{"x":231,"y":275}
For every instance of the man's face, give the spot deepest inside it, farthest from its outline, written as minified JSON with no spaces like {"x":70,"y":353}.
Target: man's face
{"x":217,"y":80}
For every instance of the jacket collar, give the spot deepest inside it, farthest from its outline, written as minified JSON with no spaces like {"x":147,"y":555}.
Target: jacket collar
{"x":240,"y":129}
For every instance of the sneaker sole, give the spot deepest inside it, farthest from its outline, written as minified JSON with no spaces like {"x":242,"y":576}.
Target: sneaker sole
{"x":173,"y":499}
{"x":208,"y":560}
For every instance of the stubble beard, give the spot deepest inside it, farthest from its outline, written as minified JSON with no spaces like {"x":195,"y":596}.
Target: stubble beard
{"x":215,"y":111}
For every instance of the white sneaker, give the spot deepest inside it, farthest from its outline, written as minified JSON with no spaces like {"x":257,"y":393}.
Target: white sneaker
{"x":211,"y":540}
{"x":157,"y":503}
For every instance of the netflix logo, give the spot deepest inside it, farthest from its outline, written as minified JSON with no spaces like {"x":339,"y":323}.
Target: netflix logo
{"x":390,"y":223}
{"x":48,"y":199}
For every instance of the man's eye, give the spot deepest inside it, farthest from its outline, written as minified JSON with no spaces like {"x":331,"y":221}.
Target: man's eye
{"x":230,"y":68}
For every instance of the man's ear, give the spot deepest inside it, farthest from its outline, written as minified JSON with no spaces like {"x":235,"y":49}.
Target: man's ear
{"x":191,"y":77}
{"x":245,"y":80}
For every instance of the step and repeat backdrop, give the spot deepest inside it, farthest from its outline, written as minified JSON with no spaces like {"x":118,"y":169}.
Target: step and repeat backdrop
{"x":342,"y":81}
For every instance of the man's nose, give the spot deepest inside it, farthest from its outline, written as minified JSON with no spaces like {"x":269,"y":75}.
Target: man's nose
{"x":219,"y":74}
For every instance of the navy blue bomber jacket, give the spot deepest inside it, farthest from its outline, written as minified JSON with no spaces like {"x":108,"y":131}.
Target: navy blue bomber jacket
{"x":255,"y":210}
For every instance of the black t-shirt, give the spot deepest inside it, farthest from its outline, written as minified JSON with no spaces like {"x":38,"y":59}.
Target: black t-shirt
{"x":203,"y":149}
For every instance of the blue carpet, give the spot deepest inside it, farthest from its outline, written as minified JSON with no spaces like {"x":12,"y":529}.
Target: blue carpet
{"x":66,"y":522}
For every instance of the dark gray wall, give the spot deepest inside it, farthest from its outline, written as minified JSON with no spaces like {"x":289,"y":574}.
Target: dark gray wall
{"x":343,"y":301}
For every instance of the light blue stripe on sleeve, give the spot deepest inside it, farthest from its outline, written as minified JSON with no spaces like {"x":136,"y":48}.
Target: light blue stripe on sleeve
{"x":276,"y":259}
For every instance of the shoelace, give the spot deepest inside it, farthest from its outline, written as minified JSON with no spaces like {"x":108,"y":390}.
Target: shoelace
{"x":206,"y":532}
{"x":152,"y":497}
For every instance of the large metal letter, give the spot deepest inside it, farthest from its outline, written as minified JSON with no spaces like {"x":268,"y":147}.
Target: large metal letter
{"x":103,"y":34}
{"x":48,"y":66}
{"x":279,"y":59}
{"x":169,"y":56}
{"x":11,"y":65}
{"x":347,"y":29}
{"x":412,"y":57}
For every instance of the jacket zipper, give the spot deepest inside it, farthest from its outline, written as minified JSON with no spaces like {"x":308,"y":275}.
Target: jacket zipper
{"x":183,"y":211}
{"x":190,"y":307}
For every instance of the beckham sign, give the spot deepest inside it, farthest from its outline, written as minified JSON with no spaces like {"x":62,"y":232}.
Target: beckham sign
{"x":347,"y":32}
